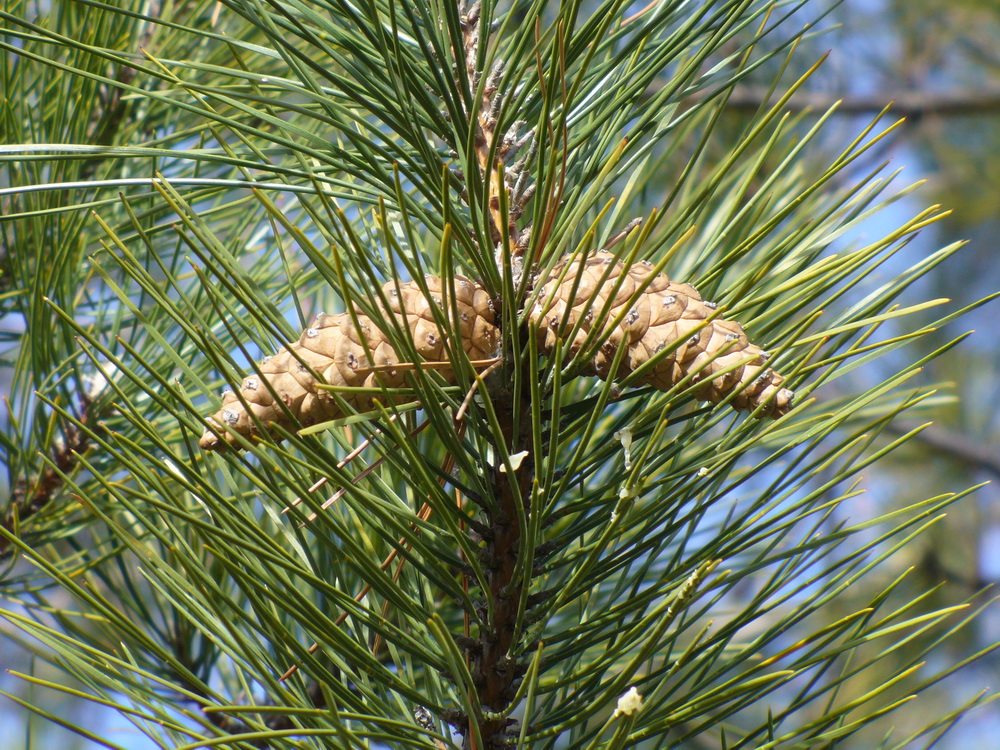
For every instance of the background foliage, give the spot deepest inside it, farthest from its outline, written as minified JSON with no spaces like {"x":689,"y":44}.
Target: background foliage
{"x":303,"y":155}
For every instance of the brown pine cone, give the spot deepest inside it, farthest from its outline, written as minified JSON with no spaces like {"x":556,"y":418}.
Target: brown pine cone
{"x":334,"y":349}
{"x":664,"y":313}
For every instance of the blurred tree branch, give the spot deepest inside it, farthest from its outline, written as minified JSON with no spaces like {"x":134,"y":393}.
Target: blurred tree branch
{"x":953,"y":444}
{"x":909,"y":103}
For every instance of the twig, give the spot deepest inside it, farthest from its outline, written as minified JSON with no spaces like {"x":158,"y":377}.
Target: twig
{"x":954,"y":444}
{"x":907,"y":103}
{"x":27,"y":500}
{"x":622,"y":234}
{"x":487,"y":112}
{"x":340,"y":465}
{"x":423,"y":515}
{"x":109,"y":114}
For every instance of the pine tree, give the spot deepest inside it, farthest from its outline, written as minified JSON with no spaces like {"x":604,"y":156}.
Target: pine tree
{"x":504,"y":492}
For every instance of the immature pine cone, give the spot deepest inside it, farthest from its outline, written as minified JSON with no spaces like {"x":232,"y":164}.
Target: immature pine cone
{"x":663,"y":314}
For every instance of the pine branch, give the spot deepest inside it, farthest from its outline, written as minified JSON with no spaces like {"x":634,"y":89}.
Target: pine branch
{"x":111,"y":110}
{"x":520,"y":501}
{"x":905,"y":103}
{"x":953,"y":444}
{"x":30,"y":497}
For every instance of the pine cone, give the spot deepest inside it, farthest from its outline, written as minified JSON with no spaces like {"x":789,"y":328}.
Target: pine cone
{"x":335,"y":349}
{"x":664,"y":313}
